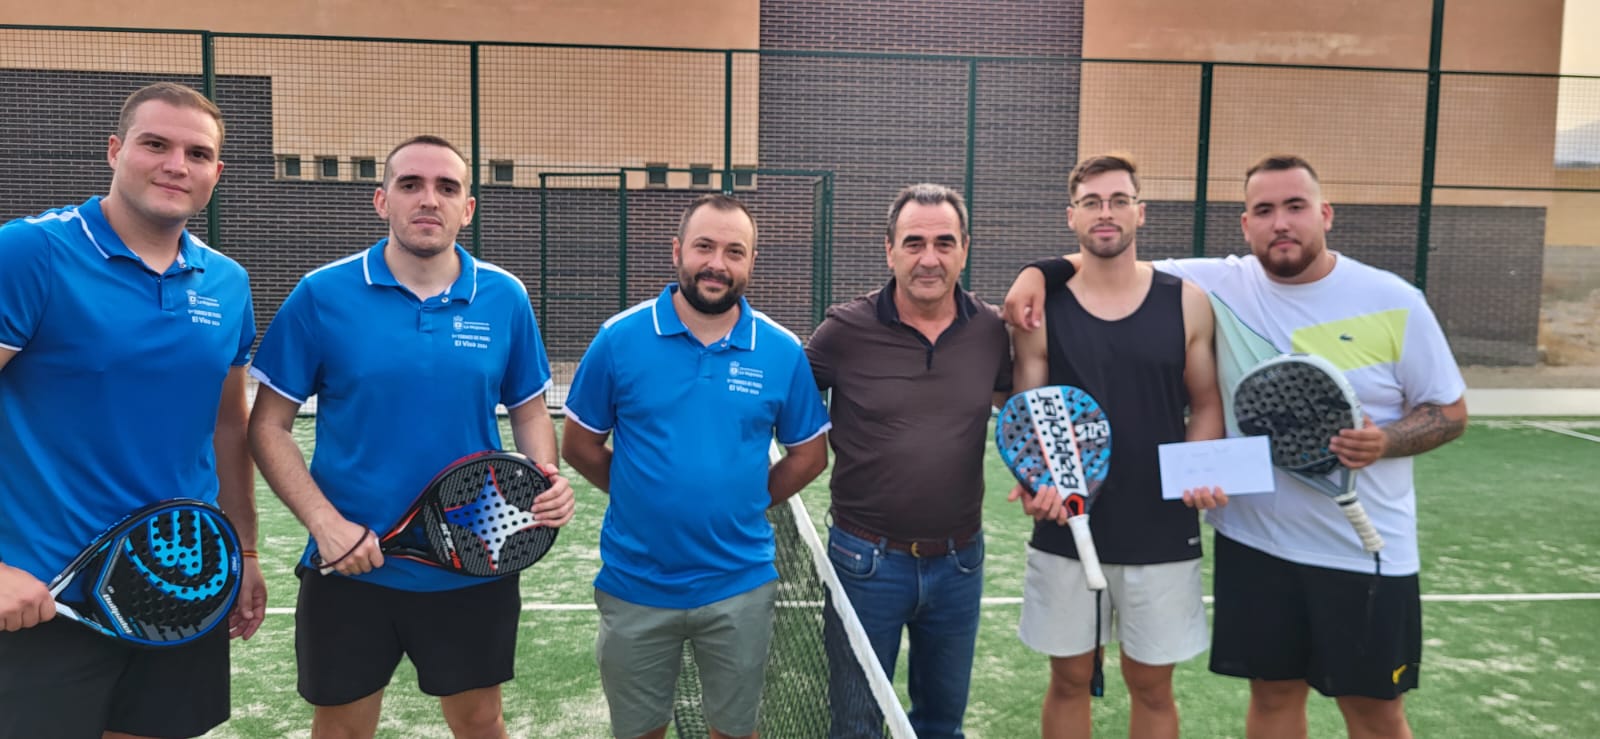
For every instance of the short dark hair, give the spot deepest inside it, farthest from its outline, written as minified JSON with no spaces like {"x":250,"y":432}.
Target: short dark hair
{"x":1101,"y":164}
{"x":716,"y":201}
{"x":927,"y":193}
{"x":1280,"y":163}
{"x":425,"y":140}
{"x":170,"y":93}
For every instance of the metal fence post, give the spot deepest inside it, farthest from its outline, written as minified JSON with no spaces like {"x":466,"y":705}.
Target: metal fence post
{"x":544,"y":248}
{"x":208,"y":86}
{"x":622,"y":239}
{"x":477,"y":150}
{"x":1202,"y":162}
{"x":972,"y":153}
{"x":727,"y":122}
{"x":1430,"y":142}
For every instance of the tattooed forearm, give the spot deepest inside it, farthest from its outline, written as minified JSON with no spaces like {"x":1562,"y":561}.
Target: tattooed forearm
{"x":1426,"y":427}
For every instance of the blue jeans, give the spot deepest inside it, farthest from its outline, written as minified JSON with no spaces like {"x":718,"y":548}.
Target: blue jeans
{"x":937,"y":599}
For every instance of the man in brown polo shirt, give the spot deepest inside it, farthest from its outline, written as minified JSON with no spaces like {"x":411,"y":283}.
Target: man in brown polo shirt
{"x":915,"y":367}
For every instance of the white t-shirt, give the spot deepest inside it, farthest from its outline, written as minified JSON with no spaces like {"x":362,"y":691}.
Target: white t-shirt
{"x":1377,"y":329}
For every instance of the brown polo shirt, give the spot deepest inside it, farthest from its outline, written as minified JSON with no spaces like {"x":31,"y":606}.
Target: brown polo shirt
{"x":910,"y":417}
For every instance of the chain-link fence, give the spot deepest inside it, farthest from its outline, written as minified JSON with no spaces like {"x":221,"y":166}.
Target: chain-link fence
{"x":583,"y":156}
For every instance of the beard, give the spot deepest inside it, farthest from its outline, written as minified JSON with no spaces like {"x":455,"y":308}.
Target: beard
{"x":689,"y":285}
{"x":1289,"y":265}
{"x":1103,"y":249}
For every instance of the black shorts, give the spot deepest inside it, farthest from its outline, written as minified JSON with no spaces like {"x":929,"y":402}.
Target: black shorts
{"x":350,"y":635}
{"x":1277,"y":620}
{"x":60,"y":679}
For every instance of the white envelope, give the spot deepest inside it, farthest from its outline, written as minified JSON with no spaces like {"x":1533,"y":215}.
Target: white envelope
{"x":1240,"y":466}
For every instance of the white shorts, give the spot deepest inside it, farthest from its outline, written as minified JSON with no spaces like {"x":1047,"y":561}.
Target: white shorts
{"x":1160,"y":617}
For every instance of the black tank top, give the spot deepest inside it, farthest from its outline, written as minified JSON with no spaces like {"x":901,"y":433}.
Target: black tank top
{"x":1134,"y":368}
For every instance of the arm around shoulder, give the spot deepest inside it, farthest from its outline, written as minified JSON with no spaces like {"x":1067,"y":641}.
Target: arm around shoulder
{"x":1200,"y":366}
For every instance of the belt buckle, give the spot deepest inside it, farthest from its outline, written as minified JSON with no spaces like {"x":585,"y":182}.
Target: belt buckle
{"x":914,"y":550}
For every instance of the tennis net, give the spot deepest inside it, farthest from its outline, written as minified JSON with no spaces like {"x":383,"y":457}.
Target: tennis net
{"x":822,"y":680}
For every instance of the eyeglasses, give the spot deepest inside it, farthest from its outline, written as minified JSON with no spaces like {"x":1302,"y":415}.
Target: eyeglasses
{"x":1117,"y":203}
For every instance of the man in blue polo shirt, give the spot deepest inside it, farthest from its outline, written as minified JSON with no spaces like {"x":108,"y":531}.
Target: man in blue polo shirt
{"x":123,"y":341}
{"x":408,"y":346}
{"x":694,"y":384}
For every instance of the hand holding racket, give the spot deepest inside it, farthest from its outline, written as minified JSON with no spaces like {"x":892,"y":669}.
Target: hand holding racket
{"x":25,"y":601}
{"x":1301,"y":402}
{"x":484,"y":515}
{"x":165,"y":575}
{"x":1057,"y":438}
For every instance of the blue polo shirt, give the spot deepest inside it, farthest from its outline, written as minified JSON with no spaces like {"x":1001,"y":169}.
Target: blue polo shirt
{"x":110,"y":403}
{"x":404,"y":386}
{"x":692,"y":426}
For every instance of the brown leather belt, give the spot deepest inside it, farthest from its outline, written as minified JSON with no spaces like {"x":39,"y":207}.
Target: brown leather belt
{"x":919,"y":548}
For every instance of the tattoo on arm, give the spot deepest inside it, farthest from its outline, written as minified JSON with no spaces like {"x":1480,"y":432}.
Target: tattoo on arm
{"x":1425,"y":428}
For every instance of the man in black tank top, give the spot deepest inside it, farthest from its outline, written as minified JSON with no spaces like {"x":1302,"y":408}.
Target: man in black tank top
{"x":1139,"y":342}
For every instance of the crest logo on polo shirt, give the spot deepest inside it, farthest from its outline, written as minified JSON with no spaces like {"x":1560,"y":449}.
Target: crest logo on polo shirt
{"x":742,"y":379}
{"x":470,"y":334}
{"x":204,"y":309}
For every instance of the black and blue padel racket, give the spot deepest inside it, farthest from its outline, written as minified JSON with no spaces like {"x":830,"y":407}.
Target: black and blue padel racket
{"x":474,"y":518}
{"x":163,"y":576}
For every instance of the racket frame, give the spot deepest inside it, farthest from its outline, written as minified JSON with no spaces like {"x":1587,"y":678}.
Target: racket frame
{"x":1052,"y":448}
{"x":104,"y":548}
{"x":393,"y":543}
{"x":1342,"y":492}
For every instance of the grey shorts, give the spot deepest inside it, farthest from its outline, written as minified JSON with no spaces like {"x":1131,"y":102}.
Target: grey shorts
{"x":1157,"y":611}
{"x":640,"y":651}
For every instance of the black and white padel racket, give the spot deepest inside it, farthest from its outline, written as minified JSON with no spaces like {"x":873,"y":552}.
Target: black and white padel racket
{"x":474,"y":518}
{"x":1300,"y":402}
{"x":164,"y":575}
{"x":1058,"y":437}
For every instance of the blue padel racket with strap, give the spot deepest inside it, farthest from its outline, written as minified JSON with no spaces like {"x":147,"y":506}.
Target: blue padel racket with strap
{"x":474,"y":518}
{"x":165,"y":575}
{"x":1058,"y":436}
{"x":1300,"y":402}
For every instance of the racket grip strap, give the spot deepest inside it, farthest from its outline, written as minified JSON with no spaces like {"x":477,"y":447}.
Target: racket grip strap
{"x":1370,"y":539}
{"x":327,"y":568}
{"x":1086,"y":552}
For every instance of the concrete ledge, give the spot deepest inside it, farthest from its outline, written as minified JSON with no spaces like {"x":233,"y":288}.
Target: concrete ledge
{"x":1533,"y":402}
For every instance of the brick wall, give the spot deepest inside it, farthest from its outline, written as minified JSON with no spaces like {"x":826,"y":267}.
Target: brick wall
{"x":881,"y":124}
{"x":878,"y":124}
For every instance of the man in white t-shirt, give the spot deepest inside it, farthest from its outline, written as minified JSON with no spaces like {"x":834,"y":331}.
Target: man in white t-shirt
{"x":1299,"y":604}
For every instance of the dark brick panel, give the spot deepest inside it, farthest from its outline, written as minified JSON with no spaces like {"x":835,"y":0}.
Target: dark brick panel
{"x":878,"y":124}
{"x":995,"y":27}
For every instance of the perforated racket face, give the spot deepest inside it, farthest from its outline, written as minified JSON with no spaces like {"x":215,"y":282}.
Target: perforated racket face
{"x":1300,"y":402}
{"x":483,"y":515}
{"x":164,"y":576}
{"x":1058,"y":436}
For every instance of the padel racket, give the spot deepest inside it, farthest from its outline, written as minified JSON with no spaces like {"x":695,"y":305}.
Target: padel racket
{"x":1300,"y":402}
{"x":1058,"y":436}
{"x":474,"y":518}
{"x":165,"y":575}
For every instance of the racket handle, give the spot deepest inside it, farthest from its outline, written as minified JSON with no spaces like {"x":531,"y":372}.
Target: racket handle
{"x":1370,"y":540}
{"x":1086,"y":552}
